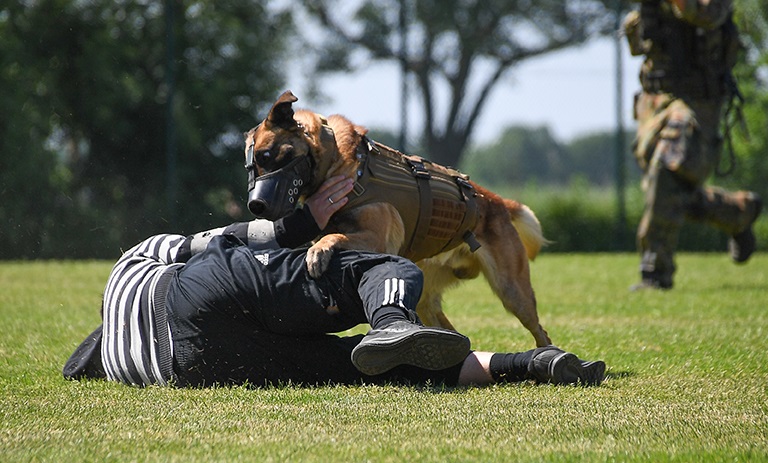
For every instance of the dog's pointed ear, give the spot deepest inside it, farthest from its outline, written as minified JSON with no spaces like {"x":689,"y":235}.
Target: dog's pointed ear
{"x":281,"y":113}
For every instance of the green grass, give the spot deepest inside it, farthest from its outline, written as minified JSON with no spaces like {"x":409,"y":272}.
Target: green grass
{"x":688,"y":380}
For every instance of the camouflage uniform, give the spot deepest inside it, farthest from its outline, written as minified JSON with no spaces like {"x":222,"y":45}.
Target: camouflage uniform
{"x":690,"y":51}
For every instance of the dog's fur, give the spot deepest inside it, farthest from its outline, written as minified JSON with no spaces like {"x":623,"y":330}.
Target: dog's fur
{"x":509,"y":233}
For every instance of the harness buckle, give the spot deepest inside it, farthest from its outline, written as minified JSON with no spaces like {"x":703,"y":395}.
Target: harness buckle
{"x":464,"y":183}
{"x":471,"y":240}
{"x":418,"y":169}
{"x":372,"y":148}
{"x":358,"y":189}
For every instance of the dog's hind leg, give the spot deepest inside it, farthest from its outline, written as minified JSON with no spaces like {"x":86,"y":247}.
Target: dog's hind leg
{"x":504,"y":264}
{"x":440,"y":273}
{"x":437,"y":278}
{"x":430,"y":311}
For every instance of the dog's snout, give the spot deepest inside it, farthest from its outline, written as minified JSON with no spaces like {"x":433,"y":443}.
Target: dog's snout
{"x":257,"y":207}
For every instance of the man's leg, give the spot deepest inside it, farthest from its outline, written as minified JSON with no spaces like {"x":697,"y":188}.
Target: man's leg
{"x":659,"y":229}
{"x":543,"y":365}
{"x":269,"y":290}
{"x":682,"y":159}
{"x":263,"y":359}
{"x":389,"y":287}
{"x":733,"y":213}
{"x":236,"y":317}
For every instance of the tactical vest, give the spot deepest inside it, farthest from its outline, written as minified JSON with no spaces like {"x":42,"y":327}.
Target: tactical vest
{"x":681,"y":58}
{"x":437,"y":205}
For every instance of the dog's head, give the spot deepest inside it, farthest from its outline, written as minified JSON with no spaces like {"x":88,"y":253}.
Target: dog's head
{"x":279,"y":159}
{"x":289,"y":155}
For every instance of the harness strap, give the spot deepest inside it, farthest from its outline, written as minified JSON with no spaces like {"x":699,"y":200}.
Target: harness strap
{"x":422,"y":176}
{"x":469,"y":194}
{"x":363,"y":148}
{"x":735,"y":103}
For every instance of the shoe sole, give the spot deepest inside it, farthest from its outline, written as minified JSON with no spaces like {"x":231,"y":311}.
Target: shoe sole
{"x":594,"y":372}
{"x":566,"y":368}
{"x":426,"y":348}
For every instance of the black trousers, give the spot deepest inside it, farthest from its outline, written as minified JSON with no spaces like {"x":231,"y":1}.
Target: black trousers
{"x":245,"y":316}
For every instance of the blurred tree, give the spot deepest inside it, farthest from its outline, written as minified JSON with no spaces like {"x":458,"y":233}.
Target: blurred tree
{"x":751,"y":145}
{"x":456,"y":48}
{"x":28,"y":175}
{"x":592,"y":156}
{"x":521,"y":155}
{"x":82,"y":117}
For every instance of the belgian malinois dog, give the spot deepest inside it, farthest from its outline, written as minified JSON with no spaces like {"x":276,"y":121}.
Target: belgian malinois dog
{"x":451,"y":227}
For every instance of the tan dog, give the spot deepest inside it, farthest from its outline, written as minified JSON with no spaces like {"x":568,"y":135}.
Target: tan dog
{"x":290,"y":154}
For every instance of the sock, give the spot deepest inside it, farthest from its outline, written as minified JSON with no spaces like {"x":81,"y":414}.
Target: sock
{"x":510,"y":368}
{"x":386,"y":315}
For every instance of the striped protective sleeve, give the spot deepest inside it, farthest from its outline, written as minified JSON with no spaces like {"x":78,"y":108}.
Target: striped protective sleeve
{"x":260,"y":233}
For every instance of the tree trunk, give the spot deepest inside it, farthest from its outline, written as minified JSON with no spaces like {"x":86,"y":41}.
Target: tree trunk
{"x":445,"y":150}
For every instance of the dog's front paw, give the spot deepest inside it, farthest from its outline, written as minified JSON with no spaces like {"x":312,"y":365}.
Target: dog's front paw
{"x":318,"y":260}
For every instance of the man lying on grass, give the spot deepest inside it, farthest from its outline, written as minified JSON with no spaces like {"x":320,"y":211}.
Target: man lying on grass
{"x":236,"y":305}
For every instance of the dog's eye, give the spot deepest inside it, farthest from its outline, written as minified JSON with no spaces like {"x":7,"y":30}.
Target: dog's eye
{"x":262,"y":157}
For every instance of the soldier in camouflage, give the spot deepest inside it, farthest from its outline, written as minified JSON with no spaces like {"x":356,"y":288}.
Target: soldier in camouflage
{"x":690,"y":47}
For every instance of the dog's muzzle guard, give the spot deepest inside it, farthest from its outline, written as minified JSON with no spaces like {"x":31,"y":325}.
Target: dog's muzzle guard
{"x":274,"y":195}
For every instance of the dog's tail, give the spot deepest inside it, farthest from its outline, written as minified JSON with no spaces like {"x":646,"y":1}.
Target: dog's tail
{"x":528,"y":227}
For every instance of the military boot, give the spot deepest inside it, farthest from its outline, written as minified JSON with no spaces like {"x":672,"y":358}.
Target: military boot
{"x":742,"y":244}
{"x":652,"y":280}
{"x":553,"y":365}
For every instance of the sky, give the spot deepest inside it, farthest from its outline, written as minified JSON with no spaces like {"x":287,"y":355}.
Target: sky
{"x":572,"y":91}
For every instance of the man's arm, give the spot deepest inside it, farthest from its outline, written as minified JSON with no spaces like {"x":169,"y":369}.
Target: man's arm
{"x":299,"y":227}
{"x":260,"y":232}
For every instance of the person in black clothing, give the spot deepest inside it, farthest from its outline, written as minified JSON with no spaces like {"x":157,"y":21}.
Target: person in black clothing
{"x":236,"y":306}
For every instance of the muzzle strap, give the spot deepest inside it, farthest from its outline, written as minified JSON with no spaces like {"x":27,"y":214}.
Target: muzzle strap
{"x":274,"y":195}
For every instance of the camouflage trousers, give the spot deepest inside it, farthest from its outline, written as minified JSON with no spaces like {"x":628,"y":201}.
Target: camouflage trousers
{"x":678,"y":147}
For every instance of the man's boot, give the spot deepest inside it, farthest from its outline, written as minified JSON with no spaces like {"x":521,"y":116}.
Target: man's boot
{"x":652,"y":280}
{"x":552,"y":365}
{"x":742,"y":244}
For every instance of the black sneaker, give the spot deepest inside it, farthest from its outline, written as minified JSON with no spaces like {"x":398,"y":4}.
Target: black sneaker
{"x":552,"y":365}
{"x":743,"y":244}
{"x":405,"y":343}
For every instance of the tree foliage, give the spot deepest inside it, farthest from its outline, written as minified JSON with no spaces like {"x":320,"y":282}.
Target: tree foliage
{"x":593,"y":157}
{"x":84,"y":133}
{"x":457,"y":48}
{"x":750,"y":139}
{"x":525,"y":154}
{"x":85,"y":93}
{"x":521,"y":155}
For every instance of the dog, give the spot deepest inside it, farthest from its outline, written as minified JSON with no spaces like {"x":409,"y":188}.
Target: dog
{"x":451,"y":227}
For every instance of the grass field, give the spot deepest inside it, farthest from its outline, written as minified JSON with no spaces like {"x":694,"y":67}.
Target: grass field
{"x":688,"y":380}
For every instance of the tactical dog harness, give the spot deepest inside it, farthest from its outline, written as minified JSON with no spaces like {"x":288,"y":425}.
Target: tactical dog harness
{"x":437,"y":206}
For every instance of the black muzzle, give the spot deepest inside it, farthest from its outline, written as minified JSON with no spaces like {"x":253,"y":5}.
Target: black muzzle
{"x":274,"y":195}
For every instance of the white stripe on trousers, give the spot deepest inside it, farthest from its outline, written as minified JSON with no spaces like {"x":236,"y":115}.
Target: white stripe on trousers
{"x":394,"y":288}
